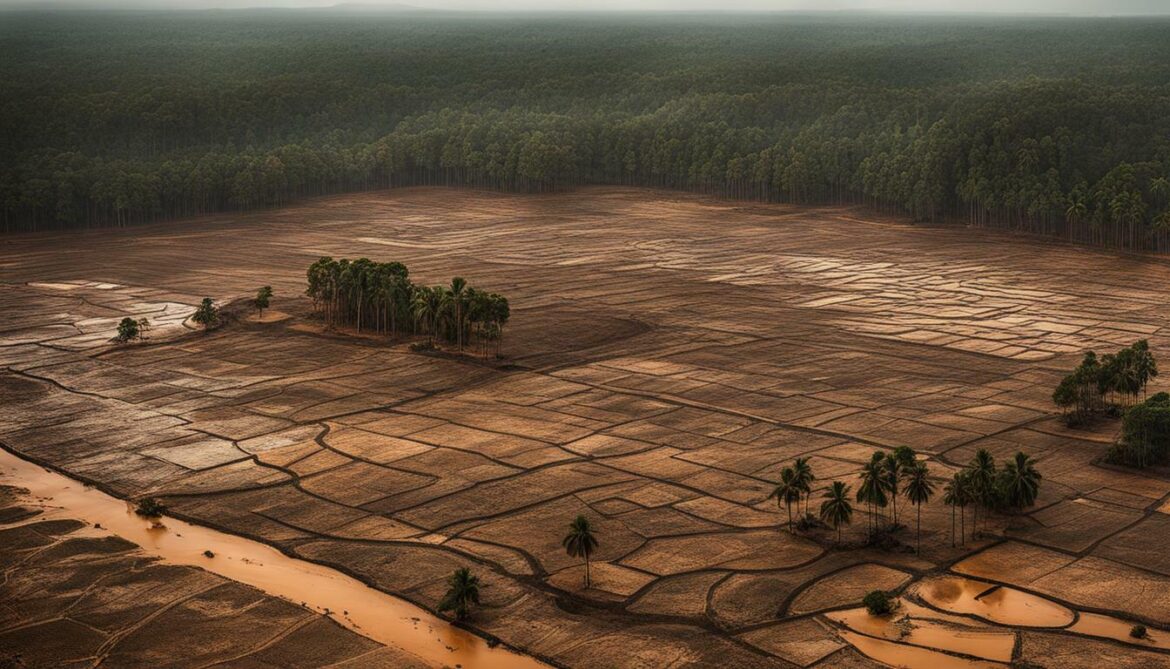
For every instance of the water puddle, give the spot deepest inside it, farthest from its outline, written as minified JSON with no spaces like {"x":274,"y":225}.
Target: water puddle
{"x":369,"y":612}
{"x":1108,"y":627}
{"x":984,"y":644}
{"x":911,"y":657}
{"x":998,"y":604}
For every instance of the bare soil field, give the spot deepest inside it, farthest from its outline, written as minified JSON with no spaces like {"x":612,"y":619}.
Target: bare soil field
{"x":667,"y":356}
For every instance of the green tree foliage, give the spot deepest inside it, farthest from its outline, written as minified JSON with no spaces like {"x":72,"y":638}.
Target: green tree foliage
{"x":919,"y":490}
{"x":1107,"y":384}
{"x":380,"y":296}
{"x":149,"y":507}
{"x":1145,"y":434}
{"x":1019,"y":482}
{"x":128,"y":330}
{"x":580,"y":542}
{"x":836,"y":509}
{"x":878,"y":603}
{"x":788,"y":491}
{"x":262,"y":300}
{"x":462,"y":593}
{"x":872,"y":490}
{"x":1055,"y":126}
{"x":207,"y":314}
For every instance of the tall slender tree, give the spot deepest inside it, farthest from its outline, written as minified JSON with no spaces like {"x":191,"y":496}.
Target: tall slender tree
{"x":919,"y":490}
{"x":580,"y":542}
{"x":787,"y":491}
{"x":836,"y":509}
{"x":462,"y":592}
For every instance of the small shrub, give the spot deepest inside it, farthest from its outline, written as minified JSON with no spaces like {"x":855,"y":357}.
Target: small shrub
{"x":1138,"y":632}
{"x":262,"y":300}
{"x":207,"y":314}
{"x":149,"y":507}
{"x":878,"y":603}
{"x":128,"y":330}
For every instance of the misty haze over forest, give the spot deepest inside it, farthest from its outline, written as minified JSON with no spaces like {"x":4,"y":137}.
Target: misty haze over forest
{"x":1074,"y":7}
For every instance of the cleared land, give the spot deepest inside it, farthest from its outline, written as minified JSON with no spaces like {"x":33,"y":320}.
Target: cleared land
{"x":667,"y":356}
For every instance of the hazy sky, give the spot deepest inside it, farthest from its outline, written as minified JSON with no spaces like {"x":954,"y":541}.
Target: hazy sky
{"x":1090,"y":7}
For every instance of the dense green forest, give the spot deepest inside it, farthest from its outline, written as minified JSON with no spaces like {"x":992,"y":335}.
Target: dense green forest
{"x":1057,"y":126}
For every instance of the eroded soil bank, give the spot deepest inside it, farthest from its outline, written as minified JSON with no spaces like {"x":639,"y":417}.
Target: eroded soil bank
{"x":369,"y":612}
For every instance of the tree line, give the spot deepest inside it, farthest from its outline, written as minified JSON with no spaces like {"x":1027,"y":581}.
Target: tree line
{"x":381,"y":298}
{"x":1052,"y":126}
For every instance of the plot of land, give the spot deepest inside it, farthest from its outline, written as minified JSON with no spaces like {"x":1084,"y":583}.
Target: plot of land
{"x":667,"y":356}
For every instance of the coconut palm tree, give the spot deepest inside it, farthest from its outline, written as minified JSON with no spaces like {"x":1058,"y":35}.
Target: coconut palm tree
{"x":804,"y":479}
{"x":787,"y":491}
{"x":919,"y":490}
{"x":953,"y":497}
{"x":836,"y":509}
{"x":892,"y":471}
{"x":871,"y":491}
{"x":580,"y":542}
{"x":1020,"y":482}
{"x":457,"y":294}
{"x":982,"y":481}
{"x":462,"y":592}
{"x":428,"y":305}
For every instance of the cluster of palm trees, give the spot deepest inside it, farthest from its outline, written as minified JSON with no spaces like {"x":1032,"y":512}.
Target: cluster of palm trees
{"x":984,"y":486}
{"x":890,"y":475}
{"x":1109,"y":383}
{"x":796,"y":485}
{"x":380,"y":297}
{"x":887,"y":476}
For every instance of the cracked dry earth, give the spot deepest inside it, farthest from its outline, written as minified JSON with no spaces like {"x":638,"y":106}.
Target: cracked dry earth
{"x":668,"y":355}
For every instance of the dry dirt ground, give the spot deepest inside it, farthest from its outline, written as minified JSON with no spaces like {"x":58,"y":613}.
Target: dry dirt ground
{"x":668,"y":355}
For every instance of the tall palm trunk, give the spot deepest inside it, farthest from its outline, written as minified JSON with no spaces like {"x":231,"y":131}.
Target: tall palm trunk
{"x":918,"y":539}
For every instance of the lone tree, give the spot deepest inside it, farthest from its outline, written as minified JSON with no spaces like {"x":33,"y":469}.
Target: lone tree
{"x":462,"y":592}
{"x":836,"y":509}
{"x":263,"y":299}
{"x":919,"y":490}
{"x":580,"y":542}
{"x":878,"y":603}
{"x":149,"y":507}
{"x":207,"y":314}
{"x":128,"y":330}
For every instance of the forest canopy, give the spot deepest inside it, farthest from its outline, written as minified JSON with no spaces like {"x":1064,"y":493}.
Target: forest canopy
{"x":1057,"y":126}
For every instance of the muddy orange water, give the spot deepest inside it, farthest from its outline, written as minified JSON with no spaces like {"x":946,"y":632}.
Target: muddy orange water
{"x":1095,"y":624}
{"x":911,"y":657}
{"x":985,"y":644}
{"x":369,"y":612}
{"x":1006,"y":606}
